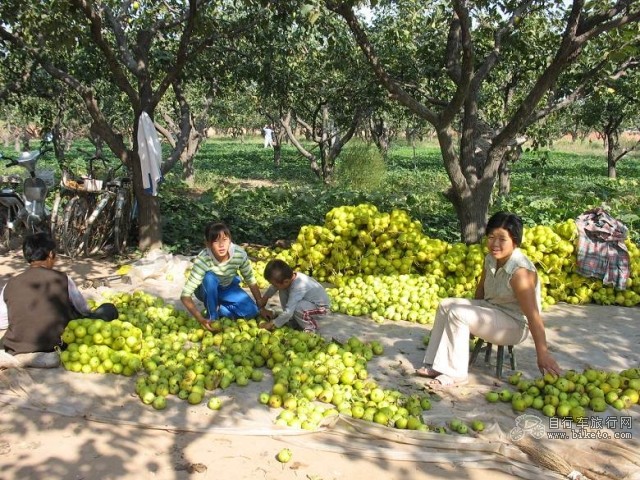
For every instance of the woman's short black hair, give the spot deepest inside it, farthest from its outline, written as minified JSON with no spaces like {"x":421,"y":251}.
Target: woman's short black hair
{"x":277,"y":270}
{"x":213,"y":231}
{"x":511,"y":222}
{"x":38,"y":246}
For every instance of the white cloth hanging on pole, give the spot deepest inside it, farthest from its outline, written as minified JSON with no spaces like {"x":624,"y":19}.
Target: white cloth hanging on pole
{"x":150,"y":154}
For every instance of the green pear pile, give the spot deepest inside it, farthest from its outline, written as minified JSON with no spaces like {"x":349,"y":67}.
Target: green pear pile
{"x":382,"y":265}
{"x":173,"y":356}
{"x":571,"y":394}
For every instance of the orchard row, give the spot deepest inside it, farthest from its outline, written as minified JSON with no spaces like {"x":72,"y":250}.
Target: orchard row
{"x":383,"y":265}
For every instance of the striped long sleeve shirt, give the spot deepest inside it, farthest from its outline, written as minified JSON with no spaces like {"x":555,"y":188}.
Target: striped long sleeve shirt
{"x":225,"y":271}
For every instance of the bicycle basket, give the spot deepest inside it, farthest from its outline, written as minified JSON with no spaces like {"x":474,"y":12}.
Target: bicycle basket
{"x":35,"y":189}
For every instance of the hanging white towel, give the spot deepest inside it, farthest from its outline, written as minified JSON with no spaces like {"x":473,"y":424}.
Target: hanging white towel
{"x":150,"y":154}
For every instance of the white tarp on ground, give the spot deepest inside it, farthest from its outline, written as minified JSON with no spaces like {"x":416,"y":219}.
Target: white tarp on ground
{"x":606,"y":338}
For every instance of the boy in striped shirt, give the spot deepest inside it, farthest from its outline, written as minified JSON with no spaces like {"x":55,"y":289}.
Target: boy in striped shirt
{"x":214,"y":279}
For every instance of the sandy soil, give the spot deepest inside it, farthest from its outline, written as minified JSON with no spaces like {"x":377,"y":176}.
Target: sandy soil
{"x":118,"y":438}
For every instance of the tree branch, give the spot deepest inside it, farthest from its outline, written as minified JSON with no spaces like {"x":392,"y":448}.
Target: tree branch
{"x":451,"y":52}
{"x":165,"y":132}
{"x":395,"y":90}
{"x":581,"y":89}
{"x":309,"y":128}
{"x":599,"y":23}
{"x":491,"y":60}
{"x":627,"y":150}
{"x":340,"y":142}
{"x":121,"y":41}
{"x":185,"y":128}
{"x":18,"y":85}
{"x":119,"y":76}
{"x":87,"y":94}
{"x":567,"y":52}
{"x":181,"y":56}
{"x":286,"y":124}
{"x":466,"y":71}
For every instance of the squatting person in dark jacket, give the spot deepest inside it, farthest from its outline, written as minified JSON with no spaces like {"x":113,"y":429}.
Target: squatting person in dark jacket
{"x":36,"y":306}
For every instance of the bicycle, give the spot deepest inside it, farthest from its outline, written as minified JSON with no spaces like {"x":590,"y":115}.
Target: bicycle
{"x":110,"y":219}
{"x":94,"y":220}
{"x":70,"y":229}
{"x":94,"y":217}
{"x":73,"y":200}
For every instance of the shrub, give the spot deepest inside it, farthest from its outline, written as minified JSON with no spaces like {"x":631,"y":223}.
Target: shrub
{"x":361,"y":167}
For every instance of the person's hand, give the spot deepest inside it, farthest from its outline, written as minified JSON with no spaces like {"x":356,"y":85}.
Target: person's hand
{"x":546,"y":363}
{"x":206,"y":324}
{"x":268,"y":326}
{"x":266,"y":313}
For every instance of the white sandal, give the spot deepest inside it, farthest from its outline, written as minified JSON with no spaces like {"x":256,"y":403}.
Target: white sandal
{"x":445,"y":381}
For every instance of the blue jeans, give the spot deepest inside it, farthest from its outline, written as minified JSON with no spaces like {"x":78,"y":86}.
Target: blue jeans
{"x":230,"y":301}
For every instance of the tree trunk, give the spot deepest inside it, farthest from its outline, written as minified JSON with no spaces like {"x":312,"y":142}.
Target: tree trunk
{"x":187,"y":155}
{"x":279,"y":136}
{"x":379,"y":132}
{"x":188,"y":172}
{"x":472,"y":212}
{"x":504,"y":178}
{"x":277,"y":154}
{"x":184,"y":139}
{"x":328,"y":163}
{"x":511,"y":156}
{"x":611,"y":168}
{"x":612,"y":144}
{"x":471,"y":187}
{"x":149,"y":219}
{"x":285,"y":122}
{"x":23,"y":145}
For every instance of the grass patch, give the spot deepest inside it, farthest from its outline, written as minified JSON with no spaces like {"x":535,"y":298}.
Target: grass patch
{"x":238,"y":182}
{"x":263,"y":203}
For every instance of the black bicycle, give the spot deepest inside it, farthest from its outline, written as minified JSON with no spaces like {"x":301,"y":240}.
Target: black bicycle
{"x":90,"y":216}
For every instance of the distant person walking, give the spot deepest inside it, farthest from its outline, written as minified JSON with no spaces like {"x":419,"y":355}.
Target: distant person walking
{"x":268,"y":136}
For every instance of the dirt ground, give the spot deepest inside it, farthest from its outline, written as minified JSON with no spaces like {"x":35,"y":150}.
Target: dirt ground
{"x":60,"y":425}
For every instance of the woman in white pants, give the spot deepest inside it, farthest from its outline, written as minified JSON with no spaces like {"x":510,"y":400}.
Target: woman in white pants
{"x":506,"y":307}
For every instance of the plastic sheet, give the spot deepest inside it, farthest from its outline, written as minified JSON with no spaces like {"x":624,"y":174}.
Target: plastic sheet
{"x":159,"y":266}
{"x":111,"y":399}
{"x":576,"y":335}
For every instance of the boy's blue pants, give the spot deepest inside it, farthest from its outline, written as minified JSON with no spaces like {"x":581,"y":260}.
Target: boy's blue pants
{"x":230,"y":301}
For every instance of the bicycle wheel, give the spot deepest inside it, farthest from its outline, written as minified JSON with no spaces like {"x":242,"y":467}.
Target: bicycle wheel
{"x":99,"y":225}
{"x":5,"y":234}
{"x":122,"y":221}
{"x":14,"y":228}
{"x":75,"y":217}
